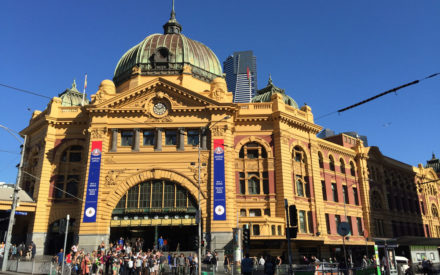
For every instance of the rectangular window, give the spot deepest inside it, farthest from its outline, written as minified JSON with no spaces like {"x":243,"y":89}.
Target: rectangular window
{"x":335,"y":192}
{"x":422,"y":206}
{"x":180,"y":197}
{"x":302,"y":221}
{"x":267,"y":212}
{"x":324,"y":190}
{"x":265,"y":183}
{"x":149,"y":138}
{"x":59,"y":184}
{"x":157,"y":198}
{"x":252,"y":153}
{"x":359,"y":226}
{"x":327,"y":223}
{"x":145,"y":195}
{"x":126,"y":138}
{"x":273,"y":230}
{"x":256,"y":229}
{"x":337,"y":220}
{"x":193,"y":137}
{"x":351,"y":225}
{"x":280,"y":232}
{"x":72,"y":186}
{"x":255,"y":213}
{"x":242,"y":212}
{"x":132,"y":197}
{"x":345,"y":193}
{"x":355,"y":195}
{"x":242,"y":183}
{"x":170,"y":137}
{"x":310,"y":222}
{"x":169,"y":195}
{"x":307,"y":186}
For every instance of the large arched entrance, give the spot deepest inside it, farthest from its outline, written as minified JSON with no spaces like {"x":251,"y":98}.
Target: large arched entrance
{"x":153,"y":209}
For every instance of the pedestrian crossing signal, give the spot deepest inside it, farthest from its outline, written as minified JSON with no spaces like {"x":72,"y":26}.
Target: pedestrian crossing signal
{"x":246,"y":236}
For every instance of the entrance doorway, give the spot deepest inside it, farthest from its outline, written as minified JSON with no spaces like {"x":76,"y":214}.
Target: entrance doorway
{"x":176,"y":238}
{"x":153,"y":209}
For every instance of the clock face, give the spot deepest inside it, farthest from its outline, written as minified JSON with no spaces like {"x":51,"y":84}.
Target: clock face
{"x":159,"y":108}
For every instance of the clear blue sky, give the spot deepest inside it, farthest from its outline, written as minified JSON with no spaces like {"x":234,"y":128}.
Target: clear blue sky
{"x":326,"y":53}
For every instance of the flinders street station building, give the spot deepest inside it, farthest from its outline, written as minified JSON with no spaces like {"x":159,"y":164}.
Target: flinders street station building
{"x":164,"y":135}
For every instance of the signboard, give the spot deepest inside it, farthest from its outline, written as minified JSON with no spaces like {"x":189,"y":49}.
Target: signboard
{"x":219,"y":181}
{"x":343,"y":228}
{"x":91,"y":203}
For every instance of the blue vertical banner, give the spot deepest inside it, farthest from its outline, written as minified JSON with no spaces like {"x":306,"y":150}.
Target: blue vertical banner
{"x":219,"y":181}
{"x":91,"y":203}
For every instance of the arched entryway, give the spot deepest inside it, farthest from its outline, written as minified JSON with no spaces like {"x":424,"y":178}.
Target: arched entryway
{"x":55,"y":236}
{"x":155,"y":208}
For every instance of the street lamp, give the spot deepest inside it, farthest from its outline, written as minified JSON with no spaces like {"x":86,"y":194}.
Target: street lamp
{"x":199,"y":148}
{"x":14,"y":200}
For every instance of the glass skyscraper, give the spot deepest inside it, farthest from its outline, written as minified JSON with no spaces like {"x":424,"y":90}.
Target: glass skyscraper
{"x":239,"y":81}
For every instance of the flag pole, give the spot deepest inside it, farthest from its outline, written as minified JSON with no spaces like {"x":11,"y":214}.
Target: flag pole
{"x":84,"y":91}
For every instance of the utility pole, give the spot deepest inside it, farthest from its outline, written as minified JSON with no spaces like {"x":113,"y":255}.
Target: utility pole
{"x":199,"y":266}
{"x":65,"y":241}
{"x":289,"y":252}
{"x":14,"y":206}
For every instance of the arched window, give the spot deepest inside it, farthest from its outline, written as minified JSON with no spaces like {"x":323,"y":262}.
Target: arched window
{"x":156,"y":194}
{"x":252,"y":150}
{"x":434,"y":211}
{"x":299,"y":154}
{"x":321,"y":160}
{"x":332,"y":163}
{"x":69,"y":171}
{"x":342,"y":165}
{"x":254,"y":177}
{"x":352,"y":169}
{"x":300,"y":172}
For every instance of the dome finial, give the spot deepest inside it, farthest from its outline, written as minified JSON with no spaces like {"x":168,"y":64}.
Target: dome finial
{"x":172,"y":26}
{"x":74,"y":84}
{"x":269,"y":82}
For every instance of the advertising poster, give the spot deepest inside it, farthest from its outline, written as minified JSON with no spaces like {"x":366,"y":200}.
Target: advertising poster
{"x":219,"y":181}
{"x":91,"y":202}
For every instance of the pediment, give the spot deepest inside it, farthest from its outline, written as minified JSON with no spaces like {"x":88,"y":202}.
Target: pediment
{"x":141,"y":98}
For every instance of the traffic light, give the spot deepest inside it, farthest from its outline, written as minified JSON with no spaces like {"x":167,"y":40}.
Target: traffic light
{"x":246,"y":236}
{"x":197,"y":217}
{"x":293,"y":232}
{"x":293,"y":215}
{"x":196,"y":241}
{"x":203,"y":243}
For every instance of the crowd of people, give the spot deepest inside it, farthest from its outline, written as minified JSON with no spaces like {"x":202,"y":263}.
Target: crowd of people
{"x":127,"y":258}
{"x":21,"y":252}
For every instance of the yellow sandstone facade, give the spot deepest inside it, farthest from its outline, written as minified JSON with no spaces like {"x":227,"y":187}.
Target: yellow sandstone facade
{"x":164,"y":106}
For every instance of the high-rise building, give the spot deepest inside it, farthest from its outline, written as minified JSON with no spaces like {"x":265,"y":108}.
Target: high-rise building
{"x":241,"y":75}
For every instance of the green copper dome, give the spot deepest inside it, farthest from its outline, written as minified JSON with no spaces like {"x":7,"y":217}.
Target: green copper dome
{"x":72,"y":97}
{"x":166,"y":54}
{"x":265,"y":94}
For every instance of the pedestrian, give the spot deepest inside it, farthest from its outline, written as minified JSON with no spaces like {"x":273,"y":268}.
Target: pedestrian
{"x":160,"y":243}
{"x":33,"y":249}
{"x":261,"y":261}
{"x":247,"y":265}
{"x":269,"y":266}
{"x":226,"y":264}
{"x":60,"y":260}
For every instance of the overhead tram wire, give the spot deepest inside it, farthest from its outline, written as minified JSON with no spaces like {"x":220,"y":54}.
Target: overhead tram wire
{"x":24,"y":91}
{"x":394,"y":90}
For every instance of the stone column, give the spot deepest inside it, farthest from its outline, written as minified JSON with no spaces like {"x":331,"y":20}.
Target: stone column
{"x":181,"y":141}
{"x":114,"y":144}
{"x":158,"y":145}
{"x":204,"y":135}
{"x":136,"y":140}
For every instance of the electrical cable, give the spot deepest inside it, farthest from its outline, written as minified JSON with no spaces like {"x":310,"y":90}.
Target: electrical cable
{"x":24,"y":91}
{"x":394,"y":90}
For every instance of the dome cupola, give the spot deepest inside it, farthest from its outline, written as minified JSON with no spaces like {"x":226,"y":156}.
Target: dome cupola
{"x":167,"y":54}
{"x":72,"y":97}
{"x":265,"y":94}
